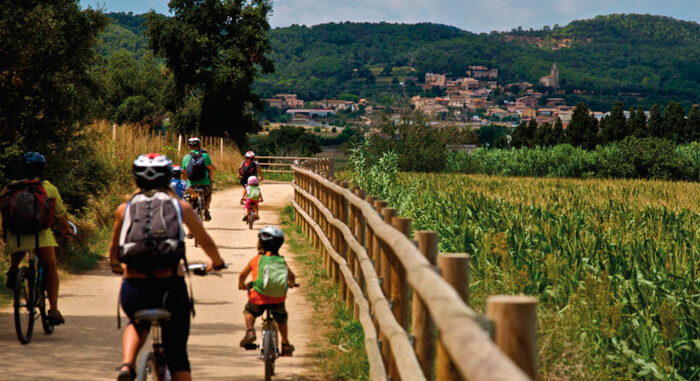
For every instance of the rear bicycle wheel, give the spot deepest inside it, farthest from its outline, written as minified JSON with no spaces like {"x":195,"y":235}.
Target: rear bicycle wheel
{"x":251,"y":219}
{"x":268,"y":355}
{"x":48,"y":327}
{"x":147,"y":367}
{"x":198,"y":213}
{"x":24,"y":305}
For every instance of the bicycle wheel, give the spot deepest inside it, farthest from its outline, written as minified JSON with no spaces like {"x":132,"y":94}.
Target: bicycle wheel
{"x":251,"y":219}
{"x":147,"y":367}
{"x":48,"y":327}
{"x":268,"y":355}
{"x":24,"y":305}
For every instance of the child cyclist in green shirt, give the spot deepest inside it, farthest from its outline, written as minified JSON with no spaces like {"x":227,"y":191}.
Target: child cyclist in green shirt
{"x":270,"y":292}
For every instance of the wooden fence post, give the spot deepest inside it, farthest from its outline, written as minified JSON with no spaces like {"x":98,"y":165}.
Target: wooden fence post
{"x":455,"y":270}
{"x":515,"y":325}
{"x":423,"y":326}
{"x":399,"y":283}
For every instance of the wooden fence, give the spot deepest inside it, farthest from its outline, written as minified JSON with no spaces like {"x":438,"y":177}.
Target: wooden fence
{"x":367,"y":250}
{"x":278,"y":164}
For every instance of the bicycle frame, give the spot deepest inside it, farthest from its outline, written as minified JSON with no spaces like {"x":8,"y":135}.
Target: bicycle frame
{"x":153,"y":362}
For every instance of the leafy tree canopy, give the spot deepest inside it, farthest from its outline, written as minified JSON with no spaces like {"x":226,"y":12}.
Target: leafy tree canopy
{"x":214,"y":50}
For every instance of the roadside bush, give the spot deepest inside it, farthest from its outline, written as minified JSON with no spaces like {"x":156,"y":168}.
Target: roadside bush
{"x":645,"y":158}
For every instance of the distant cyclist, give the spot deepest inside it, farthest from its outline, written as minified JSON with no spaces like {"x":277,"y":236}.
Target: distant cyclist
{"x":248,"y":168}
{"x":177,"y":183}
{"x":17,"y":244}
{"x":198,"y":170}
{"x":148,"y":252}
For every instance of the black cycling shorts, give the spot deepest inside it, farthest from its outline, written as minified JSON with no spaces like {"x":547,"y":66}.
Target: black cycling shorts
{"x":277,"y":310}
{"x":171,"y":293}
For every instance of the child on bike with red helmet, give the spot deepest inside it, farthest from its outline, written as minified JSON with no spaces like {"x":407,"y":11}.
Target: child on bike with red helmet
{"x":253,"y":197}
{"x":268,"y":290}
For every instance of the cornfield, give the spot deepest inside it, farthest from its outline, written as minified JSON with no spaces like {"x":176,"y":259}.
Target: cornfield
{"x":614,"y":263}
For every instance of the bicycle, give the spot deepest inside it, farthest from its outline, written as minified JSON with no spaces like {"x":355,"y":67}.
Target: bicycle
{"x":30,"y":296}
{"x":152,"y":362}
{"x":269,"y":349}
{"x":198,"y":206}
{"x":252,"y":216}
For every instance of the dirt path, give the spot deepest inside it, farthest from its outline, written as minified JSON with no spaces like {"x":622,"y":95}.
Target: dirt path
{"x":88,"y":347}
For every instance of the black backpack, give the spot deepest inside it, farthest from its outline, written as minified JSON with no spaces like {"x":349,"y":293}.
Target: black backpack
{"x":196,"y":168}
{"x":248,"y":168}
{"x":152,"y":236}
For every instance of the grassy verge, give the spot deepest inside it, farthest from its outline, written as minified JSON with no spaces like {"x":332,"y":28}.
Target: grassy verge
{"x":342,"y":355}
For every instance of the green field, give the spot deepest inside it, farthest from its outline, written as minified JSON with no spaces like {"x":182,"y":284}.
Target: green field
{"x":614,"y":264}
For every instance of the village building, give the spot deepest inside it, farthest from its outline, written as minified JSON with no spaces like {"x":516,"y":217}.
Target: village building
{"x":336,"y":104}
{"x":480,"y":72}
{"x":527,"y":102}
{"x":551,"y":80}
{"x":439,"y":80}
{"x":553,"y":102}
{"x":285,"y":101}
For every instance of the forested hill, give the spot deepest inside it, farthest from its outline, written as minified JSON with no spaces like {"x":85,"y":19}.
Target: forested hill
{"x":646,"y":58}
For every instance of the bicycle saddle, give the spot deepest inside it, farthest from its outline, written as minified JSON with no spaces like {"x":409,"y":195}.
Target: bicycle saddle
{"x":152,"y":315}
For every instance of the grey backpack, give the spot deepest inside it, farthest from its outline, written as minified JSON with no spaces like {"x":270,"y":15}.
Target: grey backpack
{"x":152,"y":236}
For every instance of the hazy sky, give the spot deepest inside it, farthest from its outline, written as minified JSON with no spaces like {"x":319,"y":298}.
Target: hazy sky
{"x":471,"y":15}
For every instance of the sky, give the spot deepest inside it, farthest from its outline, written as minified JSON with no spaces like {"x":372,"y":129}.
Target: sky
{"x":475,"y":16}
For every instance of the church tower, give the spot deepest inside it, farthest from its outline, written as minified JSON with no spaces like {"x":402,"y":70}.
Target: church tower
{"x":555,"y":75}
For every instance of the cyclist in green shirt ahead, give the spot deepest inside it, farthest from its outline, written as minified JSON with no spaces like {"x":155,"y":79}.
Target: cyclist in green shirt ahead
{"x":205,"y":173}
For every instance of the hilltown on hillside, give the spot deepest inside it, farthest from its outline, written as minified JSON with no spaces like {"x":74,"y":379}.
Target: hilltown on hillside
{"x":461,"y":95}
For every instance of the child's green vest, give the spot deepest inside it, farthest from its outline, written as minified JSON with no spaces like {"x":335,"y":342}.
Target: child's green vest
{"x":254,"y":193}
{"x":272,"y":276}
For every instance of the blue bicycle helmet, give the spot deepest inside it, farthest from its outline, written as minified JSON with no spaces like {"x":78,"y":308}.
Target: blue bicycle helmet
{"x":32,"y":165}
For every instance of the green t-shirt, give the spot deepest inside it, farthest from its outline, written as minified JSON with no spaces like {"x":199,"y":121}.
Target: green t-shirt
{"x":207,"y":161}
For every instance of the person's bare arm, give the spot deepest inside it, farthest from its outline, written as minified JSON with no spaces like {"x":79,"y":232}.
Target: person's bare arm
{"x":241,"y":278}
{"x":212,"y":169}
{"x":114,"y":242}
{"x":205,"y":241}
{"x":291,"y":278}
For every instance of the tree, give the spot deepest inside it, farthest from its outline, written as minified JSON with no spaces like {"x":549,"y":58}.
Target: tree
{"x":47,"y":49}
{"x":693,"y":124}
{"x":557,"y":135}
{"x":370,"y":79}
{"x":214,"y":50}
{"x":654,"y":124}
{"x":519,"y":136}
{"x":288,"y":140}
{"x":387,"y":70}
{"x":132,"y":89}
{"x":637,"y":122}
{"x":673,"y":123}
{"x":613,"y":127}
{"x":583,"y":128}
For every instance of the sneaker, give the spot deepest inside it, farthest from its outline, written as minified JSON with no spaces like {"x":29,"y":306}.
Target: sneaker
{"x":287,"y":349}
{"x":248,"y":339}
{"x":245,"y":218}
{"x":55,"y":318}
{"x":11,"y":277}
{"x":128,"y":374}
{"x":207,"y":216}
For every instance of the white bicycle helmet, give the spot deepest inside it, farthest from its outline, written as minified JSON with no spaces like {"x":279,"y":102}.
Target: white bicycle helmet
{"x":253,"y":180}
{"x":271,"y":238}
{"x":250,"y":154}
{"x":152,"y":170}
{"x":193,"y":142}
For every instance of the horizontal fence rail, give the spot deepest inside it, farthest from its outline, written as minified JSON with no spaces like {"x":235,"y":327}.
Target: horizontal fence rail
{"x":366,"y":249}
{"x":278,"y":164}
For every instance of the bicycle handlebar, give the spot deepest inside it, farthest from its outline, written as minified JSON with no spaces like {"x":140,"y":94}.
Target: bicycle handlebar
{"x":201,"y":269}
